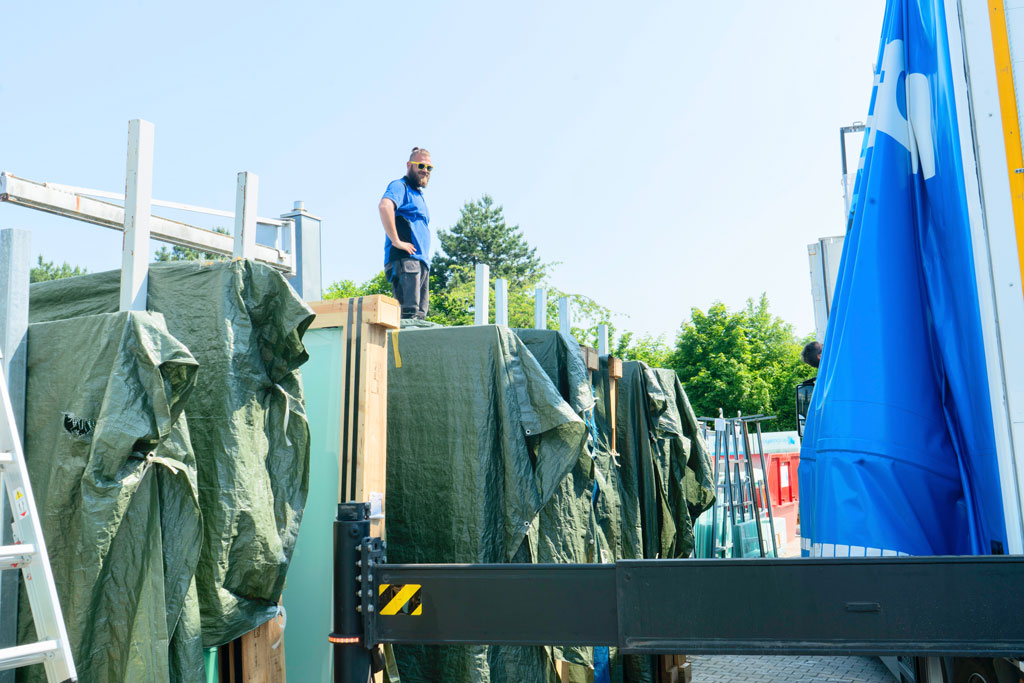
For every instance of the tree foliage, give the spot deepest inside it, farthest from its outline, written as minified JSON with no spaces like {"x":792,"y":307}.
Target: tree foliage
{"x":345,"y":289}
{"x":746,"y":360}
{"x":482,"y":236}
{"x":646,"y":348}
{"x":46,"y":270}
{"x":176,"y":253}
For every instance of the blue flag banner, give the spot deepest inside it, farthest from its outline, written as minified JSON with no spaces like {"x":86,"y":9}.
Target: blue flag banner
{"x":899,"y":450}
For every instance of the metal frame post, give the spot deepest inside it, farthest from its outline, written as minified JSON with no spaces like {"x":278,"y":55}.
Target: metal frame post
{"x":767,"y":488}
{"x":752,"y":486}
{"x":602,"y":340}
{"x":245,"y":215}
{"x":481,"y":310}
{"x":138,"y":207}
{"x":15,"y":266}
{"x":352,"y":661}
{"x":565,"y":317}
{"x":308,"y":278}
{"x":501,"y":302}
{"x":540,"y":309}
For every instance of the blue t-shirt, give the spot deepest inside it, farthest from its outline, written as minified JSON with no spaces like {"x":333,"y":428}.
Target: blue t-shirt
{"x":412,"y":221}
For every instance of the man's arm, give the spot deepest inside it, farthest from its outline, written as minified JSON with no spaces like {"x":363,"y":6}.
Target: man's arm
{"x":387,"y":219}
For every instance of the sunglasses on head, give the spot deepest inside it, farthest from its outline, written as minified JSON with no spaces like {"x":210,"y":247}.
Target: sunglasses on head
{"x":420,"y":165}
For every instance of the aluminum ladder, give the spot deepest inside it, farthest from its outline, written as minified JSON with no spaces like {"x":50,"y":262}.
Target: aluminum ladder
{"x":29,"y":555}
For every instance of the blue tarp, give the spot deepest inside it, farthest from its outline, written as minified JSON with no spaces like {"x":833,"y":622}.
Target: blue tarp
{"x":899,"y":452}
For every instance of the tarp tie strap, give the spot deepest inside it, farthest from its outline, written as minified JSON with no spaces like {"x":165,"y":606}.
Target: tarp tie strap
{"x":282,"y":621}
{"x":170,"y":463}
{"x":287,"y":411}
{"x":394,"y":345}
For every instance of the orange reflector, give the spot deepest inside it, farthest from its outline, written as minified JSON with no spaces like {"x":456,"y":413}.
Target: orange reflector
{"x":342,"y":640}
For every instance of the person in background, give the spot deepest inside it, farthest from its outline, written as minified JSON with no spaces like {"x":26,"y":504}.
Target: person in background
{"x":406,"y":221}
{"x":811,"y":354}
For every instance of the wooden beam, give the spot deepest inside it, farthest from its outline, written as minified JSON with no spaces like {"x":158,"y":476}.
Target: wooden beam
{"x":362,"y":453}
{"x":261,"y":661}
{"x":377,"y":310}
{"x":614,"y":375}
{"x":590,"y":358}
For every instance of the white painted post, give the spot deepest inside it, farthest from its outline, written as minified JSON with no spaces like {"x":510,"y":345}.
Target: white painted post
{"x":138,"y":208}
{"x":540,"y":309}
{"x":245,"y":215}
{"x":565,"y":317}
{"x":501,"y":302}
{"x":481,"y":309}
{"x":15,"y":264}
{"x":602,"y":340}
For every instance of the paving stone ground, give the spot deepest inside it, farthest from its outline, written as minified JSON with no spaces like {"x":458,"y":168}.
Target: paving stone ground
{"x":723,"y":668}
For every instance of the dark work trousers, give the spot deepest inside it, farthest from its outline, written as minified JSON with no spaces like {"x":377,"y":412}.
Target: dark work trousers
{"x":410,"y":284}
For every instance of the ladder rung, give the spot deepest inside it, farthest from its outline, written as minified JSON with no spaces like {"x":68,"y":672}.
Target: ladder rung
{"x":6,"y":458}
{"x":23,"y":655}
{"x":19,"y":554}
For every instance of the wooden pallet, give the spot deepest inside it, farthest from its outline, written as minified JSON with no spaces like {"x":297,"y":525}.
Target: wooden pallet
{"x":674,"y":669}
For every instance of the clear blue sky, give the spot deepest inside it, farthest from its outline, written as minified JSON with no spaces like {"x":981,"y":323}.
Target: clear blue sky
{"x":668,"y":154}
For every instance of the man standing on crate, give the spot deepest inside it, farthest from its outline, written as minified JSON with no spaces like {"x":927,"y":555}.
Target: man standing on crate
{"x":403,"y":212}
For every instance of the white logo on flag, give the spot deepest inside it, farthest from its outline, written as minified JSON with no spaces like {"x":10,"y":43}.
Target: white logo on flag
{"x":913,"y":132}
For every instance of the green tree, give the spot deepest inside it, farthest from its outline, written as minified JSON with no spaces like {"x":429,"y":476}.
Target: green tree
{"x":746,"y":360}
{"x":345,"y":289}
{"x":176,"y":253}
{"x":482,"y":236}
{"x":646,"y":348}
{"x":46,"y":270}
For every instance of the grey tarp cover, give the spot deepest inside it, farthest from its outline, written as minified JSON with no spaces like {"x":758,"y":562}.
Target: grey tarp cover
{"x":115,"y":483}
{"x":244,"y":324}
{"x":479,"y":441}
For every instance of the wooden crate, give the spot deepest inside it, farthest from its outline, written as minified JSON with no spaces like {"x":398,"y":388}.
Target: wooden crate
{"x":362,"y":464}
{"x":256,"y":657}
{"x":362,"y":459}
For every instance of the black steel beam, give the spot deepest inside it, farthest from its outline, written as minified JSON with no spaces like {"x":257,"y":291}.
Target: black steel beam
{"x":522,"y":604}
{"x":963,"y":606}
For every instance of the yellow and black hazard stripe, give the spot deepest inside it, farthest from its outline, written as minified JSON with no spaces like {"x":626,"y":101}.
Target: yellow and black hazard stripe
{"x":399,"y":599}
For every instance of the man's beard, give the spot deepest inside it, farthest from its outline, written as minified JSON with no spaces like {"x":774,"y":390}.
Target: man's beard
{"x":415,"y":180}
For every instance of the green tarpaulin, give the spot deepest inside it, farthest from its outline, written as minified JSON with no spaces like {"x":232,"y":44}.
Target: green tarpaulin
{"x":665,"y":473}
{"x":114,"y":477}
{"x":492,"y":458}
{"x":664,"y":477}
{"x":479,"y":441}
{"x":246,"y":422}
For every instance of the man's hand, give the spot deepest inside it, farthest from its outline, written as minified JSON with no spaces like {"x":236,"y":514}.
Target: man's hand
{"x":387,"y":219}
{"x":405,"y":246}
